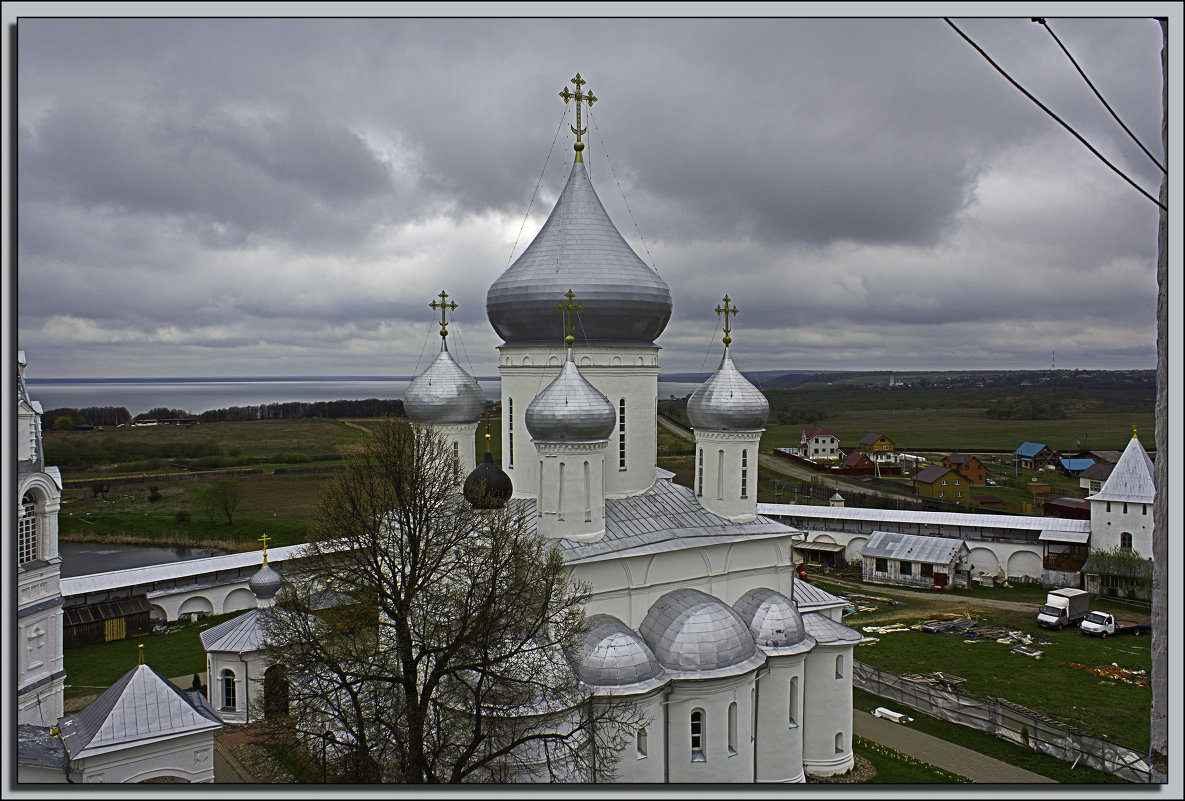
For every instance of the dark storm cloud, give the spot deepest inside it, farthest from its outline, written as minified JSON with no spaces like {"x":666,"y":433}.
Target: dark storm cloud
{"x":236,"y":191}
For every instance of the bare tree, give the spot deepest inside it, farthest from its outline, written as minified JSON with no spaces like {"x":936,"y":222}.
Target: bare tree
{"x":221,"y":497}
{"x":445,"y":653}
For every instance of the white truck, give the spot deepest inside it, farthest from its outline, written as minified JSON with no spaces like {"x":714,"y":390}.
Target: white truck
{"x":1063,"y":608}
{"x":1103,"y":624}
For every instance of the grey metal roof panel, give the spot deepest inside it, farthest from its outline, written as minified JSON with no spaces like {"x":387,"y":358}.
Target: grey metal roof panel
{"x":100,"y":582}
{"x":772,"y":618}
{"x":912,"y":547}
{"x":613,"y":655}
{"x":36,"y":746}
{"x":1014,"y":522}
{"x":809,"y":598}
{"x":1075,"y":537}
{"x":570,"y":409}
{"x":243,"y":634}
{"x":691,"y":631}
{"x":827,"y":631}
{"x":1132,"y":478}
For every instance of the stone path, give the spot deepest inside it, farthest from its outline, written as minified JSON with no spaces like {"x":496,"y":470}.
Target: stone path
{"x":940,"y":753}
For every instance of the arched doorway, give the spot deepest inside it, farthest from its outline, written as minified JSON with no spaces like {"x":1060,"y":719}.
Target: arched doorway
{"x":275,"y":692}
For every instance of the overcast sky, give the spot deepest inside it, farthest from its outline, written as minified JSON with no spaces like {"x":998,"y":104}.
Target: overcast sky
{"x":235,"y":197}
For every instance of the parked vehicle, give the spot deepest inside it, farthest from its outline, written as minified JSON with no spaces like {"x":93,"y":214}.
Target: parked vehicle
{"x":1063,"y":608}
{"x":1102,"y":624}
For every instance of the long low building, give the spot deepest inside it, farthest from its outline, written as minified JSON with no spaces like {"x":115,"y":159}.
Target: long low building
{"x":1017,"y":547}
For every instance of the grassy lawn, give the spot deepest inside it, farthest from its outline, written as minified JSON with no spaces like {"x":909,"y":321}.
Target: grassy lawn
{"x":90,"y":669}
{"x":893,"y":767}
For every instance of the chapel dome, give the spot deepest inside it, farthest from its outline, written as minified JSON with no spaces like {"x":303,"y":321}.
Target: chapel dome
{"x":772,"y":618}
{"x":579,"y":249}
{"x":265,"y":583}
{"x":612,"y":655}
{"x":727,"y":401}
{"x":444,"y":393}
{"x":570,"y":409}
{"x":689,"y":630}
{"x":488,"y":487}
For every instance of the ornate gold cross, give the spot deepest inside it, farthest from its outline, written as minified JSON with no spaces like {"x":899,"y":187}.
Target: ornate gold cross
{"x":489,"y":414}
{"x":727,"y":311}
{"x":264,"y":540}
{"x":578,"y":96}
{"x":570,"y":310}
{"x":444,"y":309}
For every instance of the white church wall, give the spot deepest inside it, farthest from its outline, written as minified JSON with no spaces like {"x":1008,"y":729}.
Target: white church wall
{"x":726,"y":481}
{"x":461,"y":440}
{"x":190,"y":758}
{"x":827,"y":732}
{"x":721,"y":758}
{"x":642,"y":760}
{"x":1109,"y":522}
{"x":780,"y":722}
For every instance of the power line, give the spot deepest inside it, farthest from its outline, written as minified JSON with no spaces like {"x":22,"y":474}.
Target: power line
{"x":1041,"y":21}
{"x":1042,"y":106}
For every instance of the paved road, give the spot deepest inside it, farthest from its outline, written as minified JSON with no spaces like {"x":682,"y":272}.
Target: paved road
{"x":940,"y":753}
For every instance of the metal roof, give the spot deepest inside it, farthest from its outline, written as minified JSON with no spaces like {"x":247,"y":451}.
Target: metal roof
{"x":141,"y":707}
{"x":727,"y":401}
{"x":1029,"y":448}
{"x":106,"y":610}
{"x":243,"y":634}
{"x":909,"y":516}
{"x":772,"y":618}
{"x":1132,"y":478}
{"x":826,"y":631}
{"x":1074,"y":537}
{"x":100,"y":582}
{"x":693,"y":633}
{"x":444,"y":393}
{"x":912,"y":547}
{"x":613,"y":655}
{"x":827,"y":547}
{"x":932,"y":473}
{"x":570,"y":409}
{"x":36,"y":746}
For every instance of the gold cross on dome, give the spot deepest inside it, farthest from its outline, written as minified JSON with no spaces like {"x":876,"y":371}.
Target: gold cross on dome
{"x":444,"y":309}
{"x":489,"y":414}
{"x":264,"y":540}
{"x":578,"y":96}
{"x":727,"y":311}
{"x":570,"y":310}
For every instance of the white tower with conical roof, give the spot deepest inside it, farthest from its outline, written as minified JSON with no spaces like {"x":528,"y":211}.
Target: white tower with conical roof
{"x":1121,"y":513}
{"x":626,"y":306}
{"x":448,"y":399}
{"x":728,"y":415}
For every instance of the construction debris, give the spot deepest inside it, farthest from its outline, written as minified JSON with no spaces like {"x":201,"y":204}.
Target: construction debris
{"x":1114,"y":671}
{"x":891,"y":629}
{"x":946,"y":681}
{"x":1025,"y":650}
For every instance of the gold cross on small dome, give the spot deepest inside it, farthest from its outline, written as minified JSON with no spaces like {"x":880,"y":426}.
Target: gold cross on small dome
{"x":570,"y":310}
{"x":727,"y":311}
{"x":444,"y":309}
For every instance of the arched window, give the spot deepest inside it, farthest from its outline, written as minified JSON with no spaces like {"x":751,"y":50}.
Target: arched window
{"x":559,"y":504}
{"x":456,"y":461}
{"x":720,"y":475}
{"x":1125,"y":541}
{"x":732,"y":729}
{"x":621,"y":435}
{"x":228,"y":689}
{"x":587,"y":493}
{"x":697,"y":736}
{"x":510,"y":431}
{"x":699,"y":475}
{"x":27,"y":531}
{"x":839,"y":742}
{"x":642,"y":743}
{"x":745,"y":474}
{"x":839,"y":666}
{"x":793,"y":701}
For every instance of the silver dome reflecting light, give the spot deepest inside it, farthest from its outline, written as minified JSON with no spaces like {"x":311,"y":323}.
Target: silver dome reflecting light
{"x":580,"y":249}
{"x":689,"y":630}
{"x":444,"y":393}
{"x":613,"y":655}
{"x":570,"y":409}
{"x":772,"y":618}
{"x":727,"y":401}
{"x":265,"y":583}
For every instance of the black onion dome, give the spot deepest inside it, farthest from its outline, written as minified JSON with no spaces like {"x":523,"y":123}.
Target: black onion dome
{"x":580,"y":249}
{"x":487,"y":487}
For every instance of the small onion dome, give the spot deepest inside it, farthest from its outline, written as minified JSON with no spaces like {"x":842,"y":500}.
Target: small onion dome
{"x":265,"y":583}
{"x":612,"y":655}
{"x":772,"y":618}
{"x":570,"y":409}
{"x":727,"y":401}
{"x":579,"y":248}
{"x":444,"y":393}
{"x":487,"y":487}
{"x":689,"y":630}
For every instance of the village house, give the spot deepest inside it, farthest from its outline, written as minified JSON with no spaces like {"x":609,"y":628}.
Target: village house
{"x":878,"y":447}
{"x":1074,"y":467}
{"x":915,"y":560}
{"x":858,"y":460}
{"x":819,"y":443}
{"x":944,"y":484}
{"x":1091,"y":479}
{"x":968,"y":466}
{"x":1033,"y":455}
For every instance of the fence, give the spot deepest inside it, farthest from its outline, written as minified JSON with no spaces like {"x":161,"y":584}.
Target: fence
{"x":1007,"y":721}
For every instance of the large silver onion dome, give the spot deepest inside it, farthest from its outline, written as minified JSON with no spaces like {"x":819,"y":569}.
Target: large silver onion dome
{"x":612,"y":655}
{"x":772,"y":618}
{"x":570,"y":409}
{"x":580,"y":249}
{"x":689,"y":630}
{"x":727,"y":401}
{"x":444,"y":393}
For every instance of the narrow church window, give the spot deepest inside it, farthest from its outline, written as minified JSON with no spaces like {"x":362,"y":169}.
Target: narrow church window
{"x":1145,"y":510}
{"x":621,"y":435}
{"x":510,"y":431}
{"x":27,"y":531}
{"x":587,"y":494}
{"x":793,"y":701}
{"x":228,"y":689}
{"x":1125,"y":541}
{"x":699,"y":475}
{"x":539,"y":495}
{"x":1108,"y":506}
{"x":839,"y":666}
{"x":839,"y":742}
{"x":456,"y":461}
{"x":697,"y":736}
{"x":732,"y":729}
{"x":744,"y":474}
{"x":559,"y":504}
{"x":720,"y":475}
{"x":1125,"y":507}
{"x":642,"y":743}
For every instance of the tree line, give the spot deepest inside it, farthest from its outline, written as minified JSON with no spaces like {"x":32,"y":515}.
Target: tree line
{"x":65,"y":419}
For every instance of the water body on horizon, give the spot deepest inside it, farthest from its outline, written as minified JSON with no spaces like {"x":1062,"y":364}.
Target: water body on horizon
{"x":85,"y":558}
{"x":197,"y":395}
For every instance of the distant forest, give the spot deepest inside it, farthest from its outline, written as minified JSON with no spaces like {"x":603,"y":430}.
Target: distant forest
{"x":66,"y":419}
